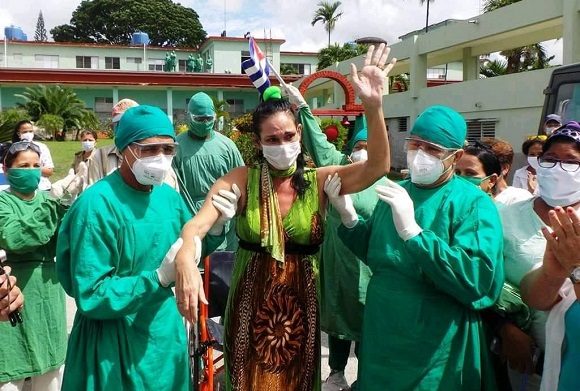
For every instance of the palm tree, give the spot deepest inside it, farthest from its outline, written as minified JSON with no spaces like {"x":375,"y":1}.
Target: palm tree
{"x":326,"y":14}
{"x":493,"y":68}
{"x":59,"y":101}
{"x":427,"y":17}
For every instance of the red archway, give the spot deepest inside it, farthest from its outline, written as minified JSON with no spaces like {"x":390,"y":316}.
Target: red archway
{"x":349,"y":107}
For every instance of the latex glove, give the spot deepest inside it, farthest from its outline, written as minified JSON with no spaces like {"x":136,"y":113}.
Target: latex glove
{"x":402,"y":207}
{"x":294,"y":95}
{"x":227,"y":203}
{"x":342,"y":203}
{"x":166,"y":271}
{"x":68,"y":188}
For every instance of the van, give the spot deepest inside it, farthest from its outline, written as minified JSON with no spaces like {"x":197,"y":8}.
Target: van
{"x":562,"y":95}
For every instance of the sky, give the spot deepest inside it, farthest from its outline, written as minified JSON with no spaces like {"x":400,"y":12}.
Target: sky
{"x":286,"y":19}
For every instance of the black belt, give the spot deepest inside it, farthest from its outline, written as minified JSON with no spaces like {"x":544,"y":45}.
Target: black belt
{"x":289,"y":248}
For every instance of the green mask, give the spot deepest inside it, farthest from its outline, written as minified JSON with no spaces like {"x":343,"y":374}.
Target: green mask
{"x":23,"y":180}
{"x":201,"y":129}
{"x":475,"y":180}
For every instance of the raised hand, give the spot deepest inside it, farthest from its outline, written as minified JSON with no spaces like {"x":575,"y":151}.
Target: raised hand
{"x":369,"y":82}
{"x":564,"y":241}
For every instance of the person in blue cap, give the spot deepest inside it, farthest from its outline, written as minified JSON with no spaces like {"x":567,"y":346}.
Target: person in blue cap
{"x":436,"y":261}
{"x":343,"y":276}
{"x":203,"y":156}
{"x":115,"y":257}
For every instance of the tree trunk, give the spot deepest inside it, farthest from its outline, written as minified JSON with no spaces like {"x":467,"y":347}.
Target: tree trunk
{"x":328,"y":37}
{"x":427,"y":19}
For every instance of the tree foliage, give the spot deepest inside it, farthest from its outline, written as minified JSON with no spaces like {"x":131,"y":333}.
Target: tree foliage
{"x":336,"y":53}
{"x":60,"y":101}
{"x":326,"y":13}
{"x":8,"y":120}
{"x":113,"y":22}
{"x":52,"y":123}
{"x":40,"y":33}
{"x":493,"y":68}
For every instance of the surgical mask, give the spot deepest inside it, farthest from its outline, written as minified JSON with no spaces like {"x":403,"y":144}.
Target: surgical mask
{"x":425,"y":169}
{"x":28,"y":136}
{"x":359,"y":156}
{"x":533,"y":162}
{"x":23,"y":180}
{"x":201,"y":128}
{"x":475,"y":180}
{"x":282,"y":156}
{"x":87,"y":145}
{"x":549,"y":130}
{"x":558,"y":187}
{"x":151,"y":170}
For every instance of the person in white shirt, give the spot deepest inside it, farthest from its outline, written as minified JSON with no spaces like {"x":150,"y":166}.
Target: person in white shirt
{"x":24,"y":131}
{"x":525,"y":177}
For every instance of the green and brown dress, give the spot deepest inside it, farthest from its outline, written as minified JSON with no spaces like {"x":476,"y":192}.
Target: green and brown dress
{"x":272,"y":320}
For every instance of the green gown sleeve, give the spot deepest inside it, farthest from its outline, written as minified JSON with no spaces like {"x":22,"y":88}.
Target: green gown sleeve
{"x":357,"y":237}
{"x":470,"y":268}
{"x":322,"y":151}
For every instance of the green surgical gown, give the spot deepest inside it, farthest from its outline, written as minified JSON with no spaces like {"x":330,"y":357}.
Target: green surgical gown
{"x":27,"y":233}
{"x":343,"y":276}
{"x":422,"y":329}
{"x":198,"y":164}
{"x":127,"y":333}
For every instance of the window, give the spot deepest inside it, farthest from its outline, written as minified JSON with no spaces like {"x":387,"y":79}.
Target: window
{"x":104,"y":105}
{"x":45,"y":61}
{"x":182,"y":65}
{"x":17,"y":59}
{"x":478,"y":128}
{"x":134,"y":60}
{"x":112,"y":63}
{"x":295,"y":69}
{"x":156,"y":64}
{"x":403,"y":124}
{"x":87,"y":62}
{"x":235,"y":107}
{"x":436,"y":73}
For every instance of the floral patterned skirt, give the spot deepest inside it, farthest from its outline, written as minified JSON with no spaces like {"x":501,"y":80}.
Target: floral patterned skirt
{"x":272,"y":326}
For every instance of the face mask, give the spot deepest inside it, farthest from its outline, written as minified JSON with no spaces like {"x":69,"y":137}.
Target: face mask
{"x":23,"y":180}
{"x":151,"y":171}
{"x":549,"y":130}
{"x":283,"y":156}
{"x":359,"y":156}
{"x":27,"y":136}
{"x":425,"y":169}
{"x":201,"y":129}
{"x":558,"y":187}
{"x":475,"y":180}
{"x":533,"y":162}
{"x":88,"y":145}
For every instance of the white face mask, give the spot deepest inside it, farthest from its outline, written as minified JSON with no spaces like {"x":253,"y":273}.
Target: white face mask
{"x":28,"y":136}
{"x":151,"y":171}
{"x":88,"y":145}
{"x":282,"y":156}
{"x":558,"y":187}
{"x":359,"y":156}
{"x":549,"y":130}
{"x":425,"y":169}
{"x":533,"y":162}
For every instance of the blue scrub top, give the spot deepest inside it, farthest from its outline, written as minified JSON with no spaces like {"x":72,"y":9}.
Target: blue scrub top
{"x":571,"y":356}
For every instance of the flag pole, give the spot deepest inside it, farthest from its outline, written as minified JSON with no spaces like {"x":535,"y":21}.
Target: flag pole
{"x":275,"y":72}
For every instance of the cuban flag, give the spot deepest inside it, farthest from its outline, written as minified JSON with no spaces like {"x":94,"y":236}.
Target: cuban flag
{"x":257,"y":68}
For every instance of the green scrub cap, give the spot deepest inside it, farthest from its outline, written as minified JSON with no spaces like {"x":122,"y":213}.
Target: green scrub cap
{"x":360,"y":125}
{"x":201,"y":104}
{"x":360,"y":136}
{"x":142,"y":122}
{"x":272,"y":92}
{"x":441,"y":125}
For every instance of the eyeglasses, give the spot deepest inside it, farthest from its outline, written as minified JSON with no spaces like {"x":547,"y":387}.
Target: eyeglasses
{"x":427,"y":146}
{"x":202,"y":118}
{"x":566,"y":165}
{"x":155,"y":149}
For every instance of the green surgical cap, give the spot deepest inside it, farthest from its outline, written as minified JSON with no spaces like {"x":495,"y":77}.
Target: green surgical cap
{"x":201,"y":104}
{"x":441,"y":125}
{"x":361,"y":135}
{"x":141,"y":122}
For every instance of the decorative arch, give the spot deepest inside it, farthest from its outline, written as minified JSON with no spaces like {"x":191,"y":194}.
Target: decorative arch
{"x":349,"y":107}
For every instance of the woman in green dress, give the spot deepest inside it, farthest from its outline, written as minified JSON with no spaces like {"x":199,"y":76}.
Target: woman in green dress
{"x":28,"y":224}
{"x":272,"y":325}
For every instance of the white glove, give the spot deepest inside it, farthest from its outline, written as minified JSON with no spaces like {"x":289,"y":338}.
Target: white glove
{"x":402,"y":207}
{"x":294,"y":95}
{"x":343,"y":204}
{"x":67,"y":189}
{"x":166,"y":271}
{"x":227,"y":203}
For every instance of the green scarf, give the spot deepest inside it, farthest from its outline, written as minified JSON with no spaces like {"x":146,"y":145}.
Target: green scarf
{"x":271,"y":226}
{"x":283,"y":173}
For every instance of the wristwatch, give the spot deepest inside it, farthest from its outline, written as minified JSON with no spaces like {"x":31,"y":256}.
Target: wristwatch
{"x":575,"y":275}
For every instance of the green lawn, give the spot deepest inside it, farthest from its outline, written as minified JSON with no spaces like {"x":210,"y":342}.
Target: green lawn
{"x":63,"y":154}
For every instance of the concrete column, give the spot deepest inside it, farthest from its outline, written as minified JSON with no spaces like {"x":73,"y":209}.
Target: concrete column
{"x":115,"y":95}
{"x":418,"y":70}
{"x":571,"y":35}
{"x":470,"y":65}
{"x":170,"y":104}
{"x":220,"y":95}
{"x":0,"y":99}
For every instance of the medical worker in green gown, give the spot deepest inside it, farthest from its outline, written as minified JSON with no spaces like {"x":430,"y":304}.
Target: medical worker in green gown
{"x":29,"y":222}
{"x":115,"y":256}
{"x":343,"y":276}
{"x":434,"y":248}
{"x":203,"y":156}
